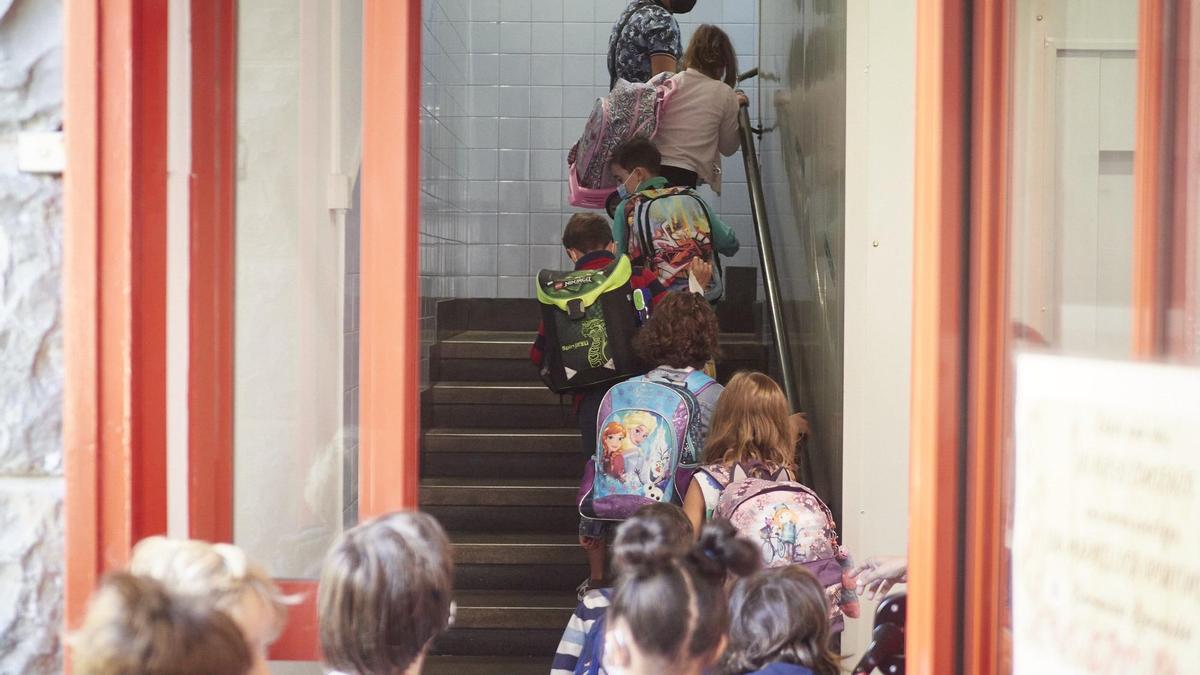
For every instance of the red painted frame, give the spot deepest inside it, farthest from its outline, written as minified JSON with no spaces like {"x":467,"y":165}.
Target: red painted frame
{"x":211,"y":262}
{"x":988,"y":332}
{"x":114,"y":286}
{"x":1149,"y":169}
{"x":939,"y":345}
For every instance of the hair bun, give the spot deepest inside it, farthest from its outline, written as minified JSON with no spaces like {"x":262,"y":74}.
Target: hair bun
{"x":642,"y":547}
{"x":720,"y":551}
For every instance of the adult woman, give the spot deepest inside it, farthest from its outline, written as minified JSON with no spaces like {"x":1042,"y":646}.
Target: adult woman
{"x":700,"y":119}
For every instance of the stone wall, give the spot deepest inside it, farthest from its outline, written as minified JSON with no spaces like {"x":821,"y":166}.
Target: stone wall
{"x":31,"y":376}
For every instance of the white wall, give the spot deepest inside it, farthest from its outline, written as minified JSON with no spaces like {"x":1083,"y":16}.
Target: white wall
{"x":880,"y":94}
{"x":1072,"y":227}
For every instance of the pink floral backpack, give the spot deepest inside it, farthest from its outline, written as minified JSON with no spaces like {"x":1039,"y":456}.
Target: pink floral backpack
{"x":790,"y":524}
{"x":630,"y":109}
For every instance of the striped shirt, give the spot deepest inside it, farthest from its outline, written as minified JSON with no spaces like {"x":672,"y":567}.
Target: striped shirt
{"x":592,"y":607}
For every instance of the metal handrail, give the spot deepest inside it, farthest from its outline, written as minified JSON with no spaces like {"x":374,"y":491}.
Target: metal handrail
{"x":766,"y":252}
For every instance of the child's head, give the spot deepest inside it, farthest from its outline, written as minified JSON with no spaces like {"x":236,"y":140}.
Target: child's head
{"x":669,"y":613}
{"x":634,"y":161}
{"x":134,"y":626}
{"x":711,"y":52}
{"x":385,"y":593}
{"x":587,"y":233}
{"x":220,"y":574}
{"x":681,"y":333}
{"x":751,"y":422}
{"x":780,"y":615}
{"x":613,"y":436}
{"x":658,"y":525}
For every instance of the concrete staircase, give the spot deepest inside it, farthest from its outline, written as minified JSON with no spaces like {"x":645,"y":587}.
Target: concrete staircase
{"x":500,"y":467}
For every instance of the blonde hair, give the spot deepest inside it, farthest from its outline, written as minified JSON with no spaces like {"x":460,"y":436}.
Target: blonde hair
{"x":640,"y":418}
{"x":385,"y":593}
{"x":751,"y":424}
{"x":218,"y":573}
{"x":134,"y":626}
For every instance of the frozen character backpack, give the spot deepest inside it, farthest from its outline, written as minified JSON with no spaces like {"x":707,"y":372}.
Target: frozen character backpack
{"x":648,"y":441}
{"x":667,"y":228}
{"x":630,"y":109}
{"x":790,"y":524}
{"x":589,"y":319}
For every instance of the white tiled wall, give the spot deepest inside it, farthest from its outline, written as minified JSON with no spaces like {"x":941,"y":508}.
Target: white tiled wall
{"x":444,"y":160}
{"x":534,"y":70}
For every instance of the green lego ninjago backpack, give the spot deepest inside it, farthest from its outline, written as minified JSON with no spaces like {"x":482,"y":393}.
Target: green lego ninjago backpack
{"x":589,"y":319}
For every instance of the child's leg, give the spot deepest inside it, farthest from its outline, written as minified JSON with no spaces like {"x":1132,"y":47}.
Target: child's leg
{"x":597,"y":552}
{"x":592,"y":539}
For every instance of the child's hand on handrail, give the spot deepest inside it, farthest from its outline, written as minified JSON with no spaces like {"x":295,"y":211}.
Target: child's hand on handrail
{"x":701,"y":271}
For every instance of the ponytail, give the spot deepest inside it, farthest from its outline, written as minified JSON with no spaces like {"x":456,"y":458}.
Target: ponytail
{"x":674,"y":600}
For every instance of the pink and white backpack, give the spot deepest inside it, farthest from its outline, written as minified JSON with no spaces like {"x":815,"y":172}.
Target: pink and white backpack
{"x":630,"y":109}
{"x":790,"y":524}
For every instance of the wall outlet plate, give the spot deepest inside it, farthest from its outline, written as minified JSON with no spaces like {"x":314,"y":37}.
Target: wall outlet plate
{"x":40,"y":152}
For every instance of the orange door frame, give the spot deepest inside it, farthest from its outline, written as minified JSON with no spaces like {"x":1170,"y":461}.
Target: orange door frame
{"x":988,"y":331}
{"x":211,"y":269}
{"x":939,"y":342}
{"x":114,"y":285}
{"x":1149,"y":168}
{"x":1165,"y":170}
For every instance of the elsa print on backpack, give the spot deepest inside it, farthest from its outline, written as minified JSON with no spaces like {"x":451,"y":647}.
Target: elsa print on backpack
{"x":648,"y":430}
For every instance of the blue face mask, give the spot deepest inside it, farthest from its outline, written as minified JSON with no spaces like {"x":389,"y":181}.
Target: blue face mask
{"x":622,"y":191}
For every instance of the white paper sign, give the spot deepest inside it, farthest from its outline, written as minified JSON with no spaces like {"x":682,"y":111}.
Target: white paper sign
{"x":1106,"y":529}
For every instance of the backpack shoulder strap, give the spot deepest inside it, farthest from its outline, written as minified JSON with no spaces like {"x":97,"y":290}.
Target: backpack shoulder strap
{"x":644,"y":229}
{"x":719,"y":473}
{"x":697,"y":381}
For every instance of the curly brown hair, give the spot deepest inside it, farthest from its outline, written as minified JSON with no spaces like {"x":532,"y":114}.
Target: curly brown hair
{"x":681,"y":333}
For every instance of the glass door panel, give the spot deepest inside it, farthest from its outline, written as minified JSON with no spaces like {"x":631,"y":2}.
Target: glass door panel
{"x":299,"y":75}
{"x":1089,"y":99}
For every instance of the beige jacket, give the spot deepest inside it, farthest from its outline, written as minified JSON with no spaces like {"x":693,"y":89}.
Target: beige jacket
{"x":699,"y":125}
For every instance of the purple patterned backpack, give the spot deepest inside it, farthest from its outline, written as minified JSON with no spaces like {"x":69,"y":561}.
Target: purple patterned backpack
{"x":791,"y":524}
{"x":630,"y":109}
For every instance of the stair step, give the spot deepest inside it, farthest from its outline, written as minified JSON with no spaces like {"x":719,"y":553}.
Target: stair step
{"x":478,"y":405}
{"x":497,"y":493}
{"x":508,"y":610}
{"x":528,"y":562}
{"x":557,"y":518}
{"x":489,"y":344}
{"x":508,"y":393}
{"x":481,"y":453}
{"x":513,"y":345}
{"x":473,"y":548}
{"x":486,"y":665}
{"x":507,"y":624}
{"x":501,"y":642}
{"x":500,"y":441}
